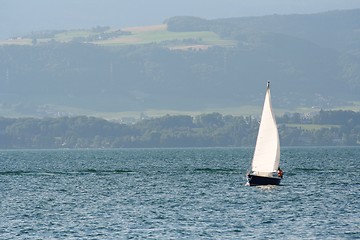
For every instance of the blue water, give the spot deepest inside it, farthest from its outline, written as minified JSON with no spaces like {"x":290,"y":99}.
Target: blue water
{"x":177,"y":194}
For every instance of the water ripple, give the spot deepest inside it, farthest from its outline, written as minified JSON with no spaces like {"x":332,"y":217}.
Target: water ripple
{"x":177,"y":194}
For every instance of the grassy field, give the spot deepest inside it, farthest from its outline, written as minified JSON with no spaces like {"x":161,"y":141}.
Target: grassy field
{"x":70,"y":35}
{"x":160,"y":34}
{"x":139,"y":35}
{"x":312,"y":126}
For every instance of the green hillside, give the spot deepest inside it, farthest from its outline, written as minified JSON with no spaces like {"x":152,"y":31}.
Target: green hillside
{"x":186,"y":65}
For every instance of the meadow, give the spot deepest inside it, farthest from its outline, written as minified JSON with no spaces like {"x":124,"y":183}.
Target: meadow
{"x":137,"y":35}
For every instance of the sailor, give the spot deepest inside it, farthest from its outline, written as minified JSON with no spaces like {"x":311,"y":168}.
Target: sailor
{"x":280,"y":172}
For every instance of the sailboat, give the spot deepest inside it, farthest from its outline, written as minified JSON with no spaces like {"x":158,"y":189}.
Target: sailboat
{"x":265,"y":162}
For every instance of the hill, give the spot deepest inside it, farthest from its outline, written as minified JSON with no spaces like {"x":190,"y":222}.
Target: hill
{"x":312,"y":61}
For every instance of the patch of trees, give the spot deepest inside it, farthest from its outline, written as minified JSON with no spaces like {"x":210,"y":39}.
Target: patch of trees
{"x":98,"y":33}
{"x":100,"y":36}
{"x":187,"y":24}
{"x":206,"y":130}
{"x":43,"y":34}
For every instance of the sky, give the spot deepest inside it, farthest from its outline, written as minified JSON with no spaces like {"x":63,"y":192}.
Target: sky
{"x":19,"y":17}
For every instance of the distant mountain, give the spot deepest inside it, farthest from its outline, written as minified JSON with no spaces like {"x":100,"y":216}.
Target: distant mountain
{"x":339,"y":30}
{"x":311,"y":60}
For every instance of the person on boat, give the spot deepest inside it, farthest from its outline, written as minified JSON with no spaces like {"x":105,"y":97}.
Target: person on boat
{"x":280,"y":172}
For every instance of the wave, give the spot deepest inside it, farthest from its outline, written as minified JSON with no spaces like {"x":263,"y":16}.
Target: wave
{"x":308,"y":169}
{"x":105,"y":171}
{"x":216,"y":170}
{"x":319,"y":170}
{"x":15,"y":172}
{"x":80,"y":172}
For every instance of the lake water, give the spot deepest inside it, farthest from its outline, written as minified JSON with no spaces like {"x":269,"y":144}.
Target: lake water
{"x":177,"y":194}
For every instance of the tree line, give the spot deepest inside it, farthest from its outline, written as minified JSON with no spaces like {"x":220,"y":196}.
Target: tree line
{"x":205,"y":130}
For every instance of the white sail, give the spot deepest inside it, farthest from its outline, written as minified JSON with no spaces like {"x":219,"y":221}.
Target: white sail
{"x":267,"y":150}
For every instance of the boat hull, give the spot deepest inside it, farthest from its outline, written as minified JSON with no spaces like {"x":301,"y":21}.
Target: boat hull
{"x":255,"y":180}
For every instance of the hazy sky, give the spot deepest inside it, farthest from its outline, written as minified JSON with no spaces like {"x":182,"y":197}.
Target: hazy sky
{"x":23,"y":16}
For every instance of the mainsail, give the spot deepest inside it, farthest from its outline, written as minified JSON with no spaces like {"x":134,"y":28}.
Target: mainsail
{"x":267,"y":150}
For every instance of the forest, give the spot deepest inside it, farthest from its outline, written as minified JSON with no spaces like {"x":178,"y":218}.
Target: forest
{"x":311,"y":60}
{"x":325,"y":128}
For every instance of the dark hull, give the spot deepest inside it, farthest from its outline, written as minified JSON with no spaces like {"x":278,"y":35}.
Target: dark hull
{"x":255,"y":180}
